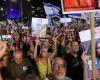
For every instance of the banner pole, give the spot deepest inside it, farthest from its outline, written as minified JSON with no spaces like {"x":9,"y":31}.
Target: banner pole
{"x":93,"y":46}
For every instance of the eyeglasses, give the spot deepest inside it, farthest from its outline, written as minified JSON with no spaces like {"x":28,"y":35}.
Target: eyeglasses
{"x":60,"y":65}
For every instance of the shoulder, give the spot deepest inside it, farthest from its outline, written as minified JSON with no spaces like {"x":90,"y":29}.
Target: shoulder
{"x":27,"y":61}
{"x":68,"y":55}
{"x":11,"y":63}
{"x":67,"y":78}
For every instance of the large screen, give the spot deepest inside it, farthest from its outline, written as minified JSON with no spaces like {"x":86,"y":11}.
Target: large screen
{"x":74,"y":6}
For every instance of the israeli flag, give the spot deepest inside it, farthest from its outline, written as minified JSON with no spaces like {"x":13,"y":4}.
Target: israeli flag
{"x":51,"y":10}
{"x":12,"y":24}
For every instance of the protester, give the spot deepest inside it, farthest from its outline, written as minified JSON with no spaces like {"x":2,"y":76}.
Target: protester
{"x":24,"y":45}
{"x":32,"y":58}
{"x":86,"y":57}
{"x":4,"y":63}
{"x":44,"y":60}
{"x":59,"y":69}
{"x":74,"y":62}
{"x":20,"y":67}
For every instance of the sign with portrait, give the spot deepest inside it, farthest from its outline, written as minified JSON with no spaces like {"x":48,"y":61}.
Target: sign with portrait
{"x":86,"y":45}
{"x":39,"y":27}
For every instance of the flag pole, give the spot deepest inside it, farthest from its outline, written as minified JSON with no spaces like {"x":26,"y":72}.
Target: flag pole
{"x":93,"y":46}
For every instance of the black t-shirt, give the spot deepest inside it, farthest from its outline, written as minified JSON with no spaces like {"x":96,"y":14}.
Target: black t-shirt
{"x":60,"y":50}
{"x":25,"y":47}
{"x":74,"y":66}
{"x":34,"y":65}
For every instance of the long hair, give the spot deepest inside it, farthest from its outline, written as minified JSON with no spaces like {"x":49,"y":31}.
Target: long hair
{"x":97,"y":54}
{"x":41,"y":50}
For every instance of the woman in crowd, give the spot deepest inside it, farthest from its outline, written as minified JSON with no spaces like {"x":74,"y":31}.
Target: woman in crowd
{"x":44,"y":60}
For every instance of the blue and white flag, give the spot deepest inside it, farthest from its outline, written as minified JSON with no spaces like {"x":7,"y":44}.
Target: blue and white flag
{"x":51,"y":12}
{"x":51,"y":9}
{"x":12,"y":24}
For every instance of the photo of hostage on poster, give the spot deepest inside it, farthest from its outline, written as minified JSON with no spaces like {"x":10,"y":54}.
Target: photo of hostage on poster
{"x":86,"y":45}
{"x":39,"y":26}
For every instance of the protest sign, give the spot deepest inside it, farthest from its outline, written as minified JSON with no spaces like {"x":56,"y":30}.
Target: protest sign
{"x":39,"y":27}
{"x":85,"y":37}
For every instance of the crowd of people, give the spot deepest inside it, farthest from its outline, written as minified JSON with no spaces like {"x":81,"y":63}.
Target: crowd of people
{"x":58,"y":57}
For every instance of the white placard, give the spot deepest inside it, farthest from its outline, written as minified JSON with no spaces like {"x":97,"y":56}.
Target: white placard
{"x":63,"y":20}
{"x":39,"y":21}
{"x":86,"y":35}
{"x":39,"y":27}
{"x":24,"y":27}
{"x":6,"y":36}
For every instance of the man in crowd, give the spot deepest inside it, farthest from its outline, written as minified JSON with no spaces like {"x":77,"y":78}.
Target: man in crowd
{"x":74,"y":62}
{"x":59,"y":69}
{"x":20,"y":68}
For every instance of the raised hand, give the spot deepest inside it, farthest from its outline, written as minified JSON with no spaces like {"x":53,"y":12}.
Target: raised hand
{"x":85,"y":57}
{"x":37,"y":41}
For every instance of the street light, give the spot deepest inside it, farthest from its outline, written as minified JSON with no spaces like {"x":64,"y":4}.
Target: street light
{"x":14,"y":0}
{"x":28,"y":0}
{"x":1,"y":9}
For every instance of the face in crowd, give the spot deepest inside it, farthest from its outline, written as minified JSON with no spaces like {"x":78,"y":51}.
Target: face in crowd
{"x":59,"y":68}
{"x":18,"y":57}
{"x":5,"y":61}
{"x":75,"y":46}
{"x":98,"y":49}
{"x":45,"y":52}
{"x":69,"y":37}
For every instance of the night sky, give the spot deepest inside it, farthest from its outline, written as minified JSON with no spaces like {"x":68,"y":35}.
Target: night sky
{"x":30,"y":8}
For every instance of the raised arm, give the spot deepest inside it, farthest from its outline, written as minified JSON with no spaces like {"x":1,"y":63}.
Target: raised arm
{"x":63,"y":42}
{"x":54,"y":53}
{"x":35,"y":50}
{"x":85,"y":57}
